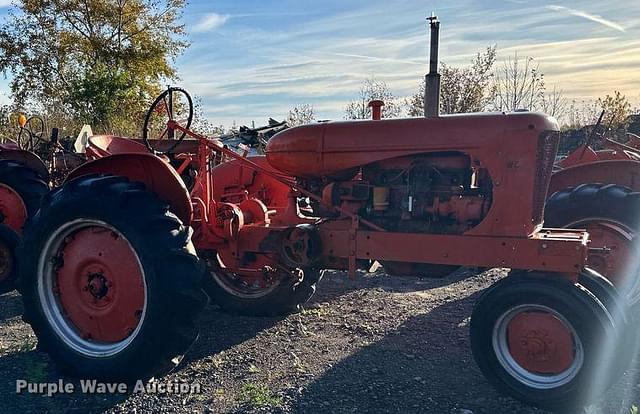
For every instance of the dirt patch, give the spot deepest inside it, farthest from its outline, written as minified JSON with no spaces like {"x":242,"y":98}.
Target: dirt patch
{"x":375,"y":344}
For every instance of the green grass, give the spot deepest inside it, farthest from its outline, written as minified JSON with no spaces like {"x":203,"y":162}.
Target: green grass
{"x":259,"y":396}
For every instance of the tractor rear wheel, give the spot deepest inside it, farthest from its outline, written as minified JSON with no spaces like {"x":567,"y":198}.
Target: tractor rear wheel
{"x":546,"y":341}
{"x":110,"y":280}
{"x":21,"y":190}
{"x":284,"y":295}
{"x":610,"y":214}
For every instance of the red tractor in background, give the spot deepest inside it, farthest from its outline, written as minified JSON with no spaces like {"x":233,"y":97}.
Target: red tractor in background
{"x":24,"y":180}
{"x":597,"y":190}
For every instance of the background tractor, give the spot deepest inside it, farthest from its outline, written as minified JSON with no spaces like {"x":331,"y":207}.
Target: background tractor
{"x":24,"y":180}
{"x":597,"y":190}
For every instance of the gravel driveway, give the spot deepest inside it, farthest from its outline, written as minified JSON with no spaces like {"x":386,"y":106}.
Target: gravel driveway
{"x":375,"y":344}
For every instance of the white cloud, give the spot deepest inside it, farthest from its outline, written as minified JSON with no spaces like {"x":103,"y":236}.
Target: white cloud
{"x":209,"y":22}
{"x":593,"y":17}
{"x":5,"y":3}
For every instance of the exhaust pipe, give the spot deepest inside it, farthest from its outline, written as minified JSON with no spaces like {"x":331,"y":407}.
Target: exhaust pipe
{"x":432,"y":79}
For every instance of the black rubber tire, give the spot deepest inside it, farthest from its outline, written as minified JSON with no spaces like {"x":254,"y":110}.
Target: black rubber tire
{"x":588,"y":316}
{"x":10,"y":241}
{"x":607,"y":202}
{"x":30,"y":185}
{"x":173,"y":276}
{"x":288,"y":297}
{"x":617,"y":306}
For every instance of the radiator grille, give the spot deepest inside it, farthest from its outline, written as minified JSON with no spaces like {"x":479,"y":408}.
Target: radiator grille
{"x":545,"y":157}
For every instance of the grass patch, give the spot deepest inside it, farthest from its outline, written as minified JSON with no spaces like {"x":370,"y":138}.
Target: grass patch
{"x":259,"y":396}
{"x":315,"y":312}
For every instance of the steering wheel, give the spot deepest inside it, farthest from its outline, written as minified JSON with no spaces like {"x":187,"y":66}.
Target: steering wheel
{"x":34,"y":127}
{"x":174,"y":104}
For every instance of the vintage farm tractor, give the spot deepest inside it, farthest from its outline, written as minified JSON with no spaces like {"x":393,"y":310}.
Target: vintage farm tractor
{"x":111,"y":279}
{"x":111,"y":272}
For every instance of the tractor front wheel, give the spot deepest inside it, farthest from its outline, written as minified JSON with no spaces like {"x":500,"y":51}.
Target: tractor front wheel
{"x":110,"y":281}
{"x":546,"y":341}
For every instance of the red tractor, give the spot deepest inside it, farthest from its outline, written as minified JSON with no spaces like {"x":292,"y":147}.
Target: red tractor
{"x":111,"y":272}
{"x":111,"y":269}
{"x":24,"y":180}
{"x":597,"y":190}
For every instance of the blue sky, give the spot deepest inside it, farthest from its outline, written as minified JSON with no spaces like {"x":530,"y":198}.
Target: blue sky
{"x":253,"y":59}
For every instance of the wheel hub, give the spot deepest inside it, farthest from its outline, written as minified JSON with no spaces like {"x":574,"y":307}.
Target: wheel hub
{"x":539,"y":342}
{"x":609,"y":250}
{"x":97,"y":285}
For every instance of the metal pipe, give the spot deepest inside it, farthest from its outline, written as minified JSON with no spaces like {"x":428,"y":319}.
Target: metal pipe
{"x":432,"y":79}
{"x":376,"y":109}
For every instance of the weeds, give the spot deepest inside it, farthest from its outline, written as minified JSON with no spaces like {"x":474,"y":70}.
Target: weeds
{"x":259,"y":396}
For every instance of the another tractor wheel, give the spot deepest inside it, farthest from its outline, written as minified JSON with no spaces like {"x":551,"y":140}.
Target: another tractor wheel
{"x":282,"y":296}
{"x":110,"y":280}
{"x":21,"y":190}
{"x":610,"y":214}
{"x":546,"y":341}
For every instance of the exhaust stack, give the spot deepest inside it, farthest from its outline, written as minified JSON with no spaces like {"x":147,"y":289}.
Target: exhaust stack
{"x":432,"y":79}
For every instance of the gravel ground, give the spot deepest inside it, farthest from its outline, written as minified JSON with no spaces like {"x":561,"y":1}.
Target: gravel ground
{"x":374,"y":344}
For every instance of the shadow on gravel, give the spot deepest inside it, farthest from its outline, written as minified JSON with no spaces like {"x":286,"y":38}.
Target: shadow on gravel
{"x":336,"y":283}
{"x":220,"y":331}
{"x":10,"y":305}
{"x":426,"y":366}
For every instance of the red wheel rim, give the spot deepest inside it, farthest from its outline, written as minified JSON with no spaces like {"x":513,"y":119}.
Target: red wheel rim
{"x":94,"y":290}
{"x":260,"y":279}
{"x":610,"y":249}
{"x":539,"y":342}
{"x":12,"y":208}
{"x":537,"y":346}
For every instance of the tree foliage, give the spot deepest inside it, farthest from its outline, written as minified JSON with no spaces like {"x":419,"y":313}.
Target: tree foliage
{"x":373,"y":89}
{"x":617,"y":109}
{"x":93,"y":61}
{"x":301,"y":115}
{"x":462,"y":89}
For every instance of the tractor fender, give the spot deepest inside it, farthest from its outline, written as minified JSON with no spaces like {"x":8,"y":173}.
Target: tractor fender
{"x":28,"y":159}
{"x":621,"y":172}
{"x":157,"y":175}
